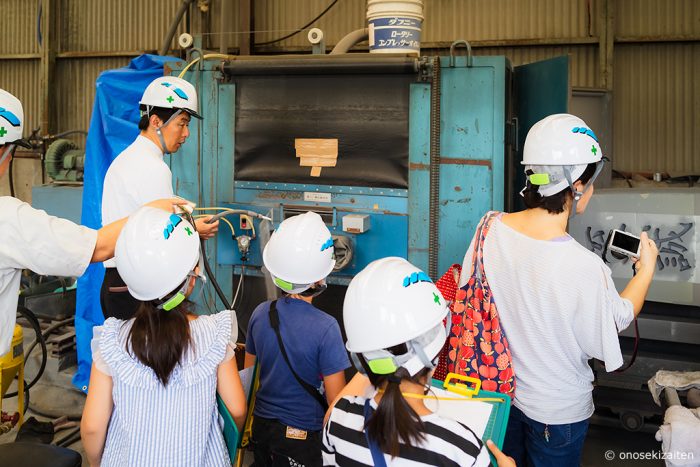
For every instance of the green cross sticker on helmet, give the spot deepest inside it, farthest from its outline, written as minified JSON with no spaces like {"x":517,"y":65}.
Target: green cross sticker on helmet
{"x":188,"y":230}
{"x":299,"y":253}
{"x":170,"y":92}
{"x":154,"y":255}
{"x":380,"y":312}
{"x":594,"y":150}
{"x":3,"y":131}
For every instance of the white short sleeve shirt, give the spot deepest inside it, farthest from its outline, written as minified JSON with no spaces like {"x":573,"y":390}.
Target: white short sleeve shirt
{"x":137,"y":176}
{"x":32,"y":239}
{"x":559,"y":308}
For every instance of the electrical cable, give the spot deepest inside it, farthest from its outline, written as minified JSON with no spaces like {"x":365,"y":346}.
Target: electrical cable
{"x":46,"y":333}
{"x":239,"y":288}
{"x":34,"y":322}
{"x":332,"y":4}
{"x":226,"y":221}
{"x":636,"y":324}
{"x":10,"y":177}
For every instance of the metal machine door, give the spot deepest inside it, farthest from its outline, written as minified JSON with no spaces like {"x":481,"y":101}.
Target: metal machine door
{"x":540,"y":89}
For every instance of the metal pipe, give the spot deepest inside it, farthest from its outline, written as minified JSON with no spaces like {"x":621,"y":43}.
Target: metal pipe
{"x":173,"y":27}
{"x":671,"y":397}
{"x":350,"y":40}
{"x":223,"y":45}
{"x":324,"y":64}
{"x":434,"y":203}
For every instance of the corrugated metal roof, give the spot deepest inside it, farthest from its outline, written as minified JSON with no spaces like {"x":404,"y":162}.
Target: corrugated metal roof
{"x":21,"y":78}
{"x":76,"y":80}
{"x":657,"y":108}
{"x":277,"y":18}
{"x":583,"y":59}
{"x":476,"y":20}
{"x":658,"y":18}
{"x":125,"y":25}
{"x":18,"y":34}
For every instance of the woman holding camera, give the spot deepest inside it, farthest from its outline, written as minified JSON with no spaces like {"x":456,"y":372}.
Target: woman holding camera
{"x":557,"y":301}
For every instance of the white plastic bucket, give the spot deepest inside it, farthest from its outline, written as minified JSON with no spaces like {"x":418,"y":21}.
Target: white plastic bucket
{"x":394,"y":26}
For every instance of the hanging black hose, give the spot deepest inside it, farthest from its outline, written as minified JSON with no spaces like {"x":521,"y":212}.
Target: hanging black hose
{"x":332,"y":4}
{"x":10,"y":177}
{"x":434,"y":203}
{"x":34,"y":322}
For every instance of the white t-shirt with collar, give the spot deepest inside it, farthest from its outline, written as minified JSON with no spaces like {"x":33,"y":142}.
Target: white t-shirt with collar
{"x":137,"y":176}
{"x":32,"y":239}
{"x":558,"y":308}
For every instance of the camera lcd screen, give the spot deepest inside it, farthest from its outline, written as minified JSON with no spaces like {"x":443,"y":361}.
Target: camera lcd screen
{"x":625,"y":242}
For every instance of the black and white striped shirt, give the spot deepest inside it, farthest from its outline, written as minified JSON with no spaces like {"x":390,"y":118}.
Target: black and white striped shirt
{"x":446,"y":443}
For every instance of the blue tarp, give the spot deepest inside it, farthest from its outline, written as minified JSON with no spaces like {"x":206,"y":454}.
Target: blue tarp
{"x":113,"y":127}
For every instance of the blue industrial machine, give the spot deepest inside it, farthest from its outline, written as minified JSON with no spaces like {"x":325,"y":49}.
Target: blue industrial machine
{"x":426,"y":146}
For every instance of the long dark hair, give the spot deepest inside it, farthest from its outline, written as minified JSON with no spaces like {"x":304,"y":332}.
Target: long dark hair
{"x":159,"y":338}
{"x":394,"y":419}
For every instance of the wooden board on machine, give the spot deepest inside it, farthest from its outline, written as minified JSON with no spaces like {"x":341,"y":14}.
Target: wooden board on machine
{"x":316,"y":153}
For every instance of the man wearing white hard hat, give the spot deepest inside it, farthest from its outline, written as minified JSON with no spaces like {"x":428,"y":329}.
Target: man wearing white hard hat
{"x":139,"y":174}
{"x":32,"y":239}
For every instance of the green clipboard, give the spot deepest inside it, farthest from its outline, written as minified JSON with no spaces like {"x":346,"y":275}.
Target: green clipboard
{"x":498,"y":420}
{"x":232,"y":437}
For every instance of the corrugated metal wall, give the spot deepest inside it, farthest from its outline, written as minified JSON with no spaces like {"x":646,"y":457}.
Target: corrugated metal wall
{"x":656,"y":53}
{"x":657,"y":108}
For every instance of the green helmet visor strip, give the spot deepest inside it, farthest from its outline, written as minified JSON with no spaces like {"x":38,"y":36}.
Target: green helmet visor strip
{"x":181,"y":294}
{"x":540,"y":179}
{"x":287,"y":287}
{"x":383,"y":362}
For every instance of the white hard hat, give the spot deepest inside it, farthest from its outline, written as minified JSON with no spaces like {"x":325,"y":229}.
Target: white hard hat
{"x":169,"y":92}
{"x":392,"y":302}
{"x":300,"y":252}
{"x":11,"y":120}
{"x":556,"y":145}
{"x":155,"y":253}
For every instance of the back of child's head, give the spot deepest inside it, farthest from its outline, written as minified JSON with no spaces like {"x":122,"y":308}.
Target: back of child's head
{"x":155,"y":255}
{"x":300,"y":253}
{"x":393,"y":320}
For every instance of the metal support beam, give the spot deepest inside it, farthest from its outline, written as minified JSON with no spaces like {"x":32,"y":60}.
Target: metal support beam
{"x":606,"y":20}
{"x":246,"y":26}
{"x":48,"y":62}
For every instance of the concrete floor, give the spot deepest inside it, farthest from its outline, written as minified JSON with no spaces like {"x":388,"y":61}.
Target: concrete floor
{"x":54,"y":396}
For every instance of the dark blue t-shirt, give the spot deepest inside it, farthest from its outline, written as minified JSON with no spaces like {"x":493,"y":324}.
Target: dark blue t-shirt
{"x":315,"y":349}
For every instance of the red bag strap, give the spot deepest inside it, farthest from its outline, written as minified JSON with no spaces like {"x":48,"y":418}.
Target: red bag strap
{"x":477,"y":266}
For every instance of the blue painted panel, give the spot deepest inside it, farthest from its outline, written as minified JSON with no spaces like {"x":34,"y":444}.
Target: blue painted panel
{"x":418,"y":176}
{"x":59,"y":200}
{"x":349,"y":202}
{"x":473,"y":116}
{"x":386,"y":237}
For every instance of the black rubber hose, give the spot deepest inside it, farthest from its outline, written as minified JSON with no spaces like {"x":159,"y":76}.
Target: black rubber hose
{"x":29,"y":316}
{"x":46,"y":334}
{"x":331,"y":5}
{"x":10,"y":177}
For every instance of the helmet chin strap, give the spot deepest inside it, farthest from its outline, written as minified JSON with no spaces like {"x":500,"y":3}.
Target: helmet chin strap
{"x":160,"y":133}
{"x":579,"y":194}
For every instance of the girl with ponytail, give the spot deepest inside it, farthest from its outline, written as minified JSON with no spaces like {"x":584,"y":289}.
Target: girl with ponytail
{"x":393,"y":317}
{"x":152,"y":396}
